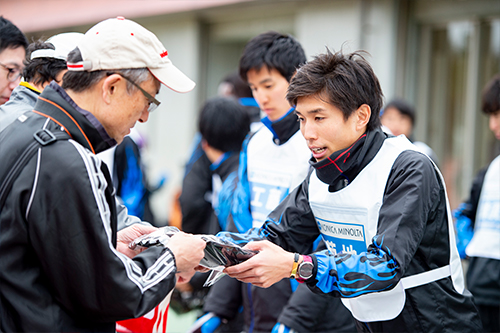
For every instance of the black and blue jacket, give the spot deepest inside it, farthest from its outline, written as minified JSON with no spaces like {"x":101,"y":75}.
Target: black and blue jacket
{"x":412,"y":235}
{"x":285,"y":302}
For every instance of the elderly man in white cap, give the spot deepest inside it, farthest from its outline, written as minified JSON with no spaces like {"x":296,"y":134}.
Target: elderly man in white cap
{"x":47,"y":62}
{"x":64,"y":266}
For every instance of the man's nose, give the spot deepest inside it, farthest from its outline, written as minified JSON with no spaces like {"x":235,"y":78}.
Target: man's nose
{"x":144,"y":115}
{"x":14,"y":84}
{"x":261,"y":97}
{"x":308,"y":131}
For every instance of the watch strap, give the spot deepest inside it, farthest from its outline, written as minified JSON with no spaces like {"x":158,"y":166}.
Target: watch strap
{"x":305,"y":259}
{"x":295,"y":266}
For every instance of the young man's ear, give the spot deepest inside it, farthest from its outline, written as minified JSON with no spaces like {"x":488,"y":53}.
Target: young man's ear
{"x":204,"y":144}
{"x":363,"y":116}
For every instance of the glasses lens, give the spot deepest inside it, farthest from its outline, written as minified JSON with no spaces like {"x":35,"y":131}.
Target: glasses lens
{"x":152,"y":107}
{"x":14,"y":74}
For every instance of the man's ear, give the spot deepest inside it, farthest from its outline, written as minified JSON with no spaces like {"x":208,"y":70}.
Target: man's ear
{"x":204,"y":144}
{"x":363,"y":116}
{"x":109,"y":86}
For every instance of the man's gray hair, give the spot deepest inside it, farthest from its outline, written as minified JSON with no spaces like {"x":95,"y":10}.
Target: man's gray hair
{"x":80,"y":81}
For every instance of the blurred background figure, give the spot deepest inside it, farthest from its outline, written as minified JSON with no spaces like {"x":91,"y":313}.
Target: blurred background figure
{"x":233,"y":86}
{"x":196,"y":195}
{"x":130,"y":177}
{"x":398,"y":117}
{"x":46,"y":61}
{"x":478,"y":224}
{"x":223,"y":125}
{"x":193,"y":209}
{"x":13,"y":46}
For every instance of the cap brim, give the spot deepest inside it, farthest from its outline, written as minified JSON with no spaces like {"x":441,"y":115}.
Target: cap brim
{"x":173,"y":78}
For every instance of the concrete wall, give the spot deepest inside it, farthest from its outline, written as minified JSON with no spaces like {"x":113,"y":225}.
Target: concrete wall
{"x":351,"y":26}
{"x":206,"y":50}
{"x":170,"y":128}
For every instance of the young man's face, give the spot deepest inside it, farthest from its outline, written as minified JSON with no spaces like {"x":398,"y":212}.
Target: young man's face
{"x":495,"y":124}
{"x":269,"y":90}
{"x":396,"y":122}
{"x":324,"y":127}
{"x":10,"y":59}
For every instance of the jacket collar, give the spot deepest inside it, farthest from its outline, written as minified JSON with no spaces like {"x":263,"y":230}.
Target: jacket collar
{"x":25,"y":93}
{"x":226,"y":165}
{"x":82,"y":126}
{"x":29,"y":86}
{"x":342,"y":167}
{"x":284,"y":128}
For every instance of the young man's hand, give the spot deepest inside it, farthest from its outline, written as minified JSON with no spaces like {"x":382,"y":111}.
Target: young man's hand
{"x":269,"y":266}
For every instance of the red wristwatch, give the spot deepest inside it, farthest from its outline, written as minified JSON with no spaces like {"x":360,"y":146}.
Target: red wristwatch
{"x":305,"y":269}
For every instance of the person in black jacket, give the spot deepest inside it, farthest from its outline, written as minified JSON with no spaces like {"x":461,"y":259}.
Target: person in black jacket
{"x":65,"y":263}
{"x":223,"y":125}
{"x":273,"y":161}
{"x":481,"y":212}
{"x":46,"y":62}
{"x":379,"y":204}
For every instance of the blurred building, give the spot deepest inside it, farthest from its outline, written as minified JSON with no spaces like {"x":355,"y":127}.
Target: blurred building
{"x":437,"y":54}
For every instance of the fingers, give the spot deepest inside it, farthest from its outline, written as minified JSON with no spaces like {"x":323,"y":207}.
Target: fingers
{"x":144,"y":229}
{"x":201,"y":269}
{"x":188,"y":251}
{"x":184,"y":277}
{"x":256,"y":246}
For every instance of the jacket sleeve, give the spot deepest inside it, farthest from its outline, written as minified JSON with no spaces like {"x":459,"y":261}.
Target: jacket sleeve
{"x":310,"y":312}
{"x":69,"y":220}
{"x":470,"y":206}
{"x":412,"y":197}
{"x":196,"y":185}
{"x":291,"y":225}
{"x":225,"y":199}
{"x":240,"y":206}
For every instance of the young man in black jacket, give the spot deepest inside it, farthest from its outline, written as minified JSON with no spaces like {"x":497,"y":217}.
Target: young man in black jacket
{"x":379,"y":205}
{"x":65,"y":262}
{"x":482,"y":210}
{"x":273,"y":161}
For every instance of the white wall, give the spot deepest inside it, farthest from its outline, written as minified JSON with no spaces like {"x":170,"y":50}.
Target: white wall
{"x":334,"y":25}
{"x":350,"y":26}
{"x":170,"y":128}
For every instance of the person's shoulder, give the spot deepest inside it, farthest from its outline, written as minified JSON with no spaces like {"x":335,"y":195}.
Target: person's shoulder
{"x":414,"y":160}
{"x":69,"y":157}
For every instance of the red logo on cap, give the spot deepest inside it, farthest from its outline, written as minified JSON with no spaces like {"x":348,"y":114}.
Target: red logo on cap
{"x":120,"y":18}
{"x":164,"y":54}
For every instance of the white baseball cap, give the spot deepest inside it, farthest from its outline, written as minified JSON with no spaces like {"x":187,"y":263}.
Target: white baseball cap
{"x":119,"y":43}
{"x":63,"y":43}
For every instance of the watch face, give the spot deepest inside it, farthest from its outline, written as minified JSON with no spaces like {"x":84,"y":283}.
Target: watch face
{"x":305,"y":270}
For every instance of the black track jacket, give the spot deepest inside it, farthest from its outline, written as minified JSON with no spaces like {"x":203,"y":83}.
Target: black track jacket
{"x":59,"y":267}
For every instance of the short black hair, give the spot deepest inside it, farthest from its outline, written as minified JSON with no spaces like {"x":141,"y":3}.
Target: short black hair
{"x":240,"y":88}
{"x":490,"y":101}
{"x":403,"y":107}
{"x":345,"y":81}
{"x":273,"y":50}
{"x":42,"y":70}
{"x":10,"y":36}
{"x":223,"y":124}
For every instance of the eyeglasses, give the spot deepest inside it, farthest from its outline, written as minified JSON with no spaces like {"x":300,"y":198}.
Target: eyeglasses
{"x":153,"y":102}
{"x":13,"y":73}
